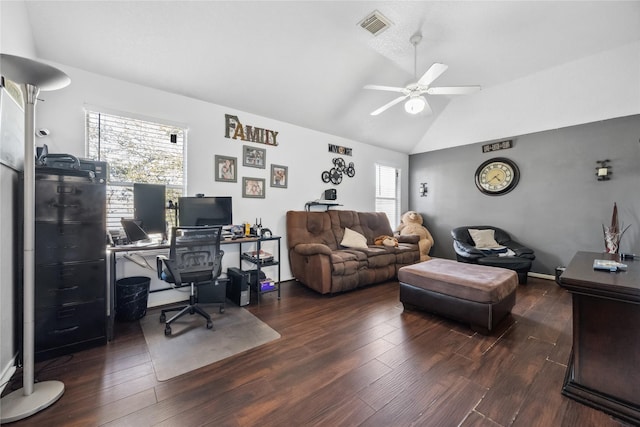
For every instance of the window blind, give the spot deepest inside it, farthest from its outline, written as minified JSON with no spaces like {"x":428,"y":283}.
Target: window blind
{"x":388,"y":193}
{"x":136,"y":151}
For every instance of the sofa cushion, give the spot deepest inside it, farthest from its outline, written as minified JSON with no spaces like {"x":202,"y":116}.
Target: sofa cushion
{"x":344,"y":263}
{"x":353,"y":239}
{"x":310,"y":227}
{"x":471,"y":282}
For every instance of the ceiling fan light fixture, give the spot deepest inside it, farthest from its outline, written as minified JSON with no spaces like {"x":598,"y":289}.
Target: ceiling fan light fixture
{"x":415,"y":104}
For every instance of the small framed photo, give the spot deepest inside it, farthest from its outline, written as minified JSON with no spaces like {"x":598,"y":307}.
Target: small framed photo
{"x":225,"y":168}
{"x":253,"y":187}
{"x":254,"y":157}
{"x":279,"y":176}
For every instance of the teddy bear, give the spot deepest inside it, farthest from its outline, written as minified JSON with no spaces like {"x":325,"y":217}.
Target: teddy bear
{"x":386,"y":241}
{"x":411,"y":223}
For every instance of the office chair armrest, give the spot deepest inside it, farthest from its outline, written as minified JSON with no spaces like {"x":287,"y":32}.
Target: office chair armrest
{"x":217,"y":265}
{"x":159,"y":265}
{"x":166,"y":271}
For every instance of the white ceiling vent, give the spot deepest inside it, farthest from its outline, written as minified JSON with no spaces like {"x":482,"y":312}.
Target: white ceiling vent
{"x":375,"y":23}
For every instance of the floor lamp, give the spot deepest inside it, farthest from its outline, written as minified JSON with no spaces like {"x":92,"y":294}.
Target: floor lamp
{"x":32,"y":76}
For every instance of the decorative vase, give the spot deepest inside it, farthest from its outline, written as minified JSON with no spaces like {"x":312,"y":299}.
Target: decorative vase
{"x":612,"y":234}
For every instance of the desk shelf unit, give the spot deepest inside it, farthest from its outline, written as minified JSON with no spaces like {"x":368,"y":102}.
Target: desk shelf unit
{"x":258,"y":265}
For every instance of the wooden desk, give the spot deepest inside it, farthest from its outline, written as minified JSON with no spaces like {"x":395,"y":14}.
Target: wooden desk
{"x":604,"y":366}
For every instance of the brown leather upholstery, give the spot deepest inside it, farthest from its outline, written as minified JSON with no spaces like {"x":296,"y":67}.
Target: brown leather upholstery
{"x":319,"y":261}
{"x":475,"y":294}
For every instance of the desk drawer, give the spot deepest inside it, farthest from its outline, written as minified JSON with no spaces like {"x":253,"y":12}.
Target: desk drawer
{"x":68,"y":242}
{"x":60,"y":284}
{"x":69,"y":324}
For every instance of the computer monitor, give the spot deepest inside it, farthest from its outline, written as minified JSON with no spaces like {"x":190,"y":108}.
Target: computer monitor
{"x":194,"y":211}
{"x":133,"y":231}
{"x":149,"y":201}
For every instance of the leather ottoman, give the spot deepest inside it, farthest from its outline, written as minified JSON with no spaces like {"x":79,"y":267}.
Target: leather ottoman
{"x":475,"y":294}
{"x":520,"y":265}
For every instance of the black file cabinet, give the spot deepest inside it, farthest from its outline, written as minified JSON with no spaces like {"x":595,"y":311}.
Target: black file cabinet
{"x":70,"y":264}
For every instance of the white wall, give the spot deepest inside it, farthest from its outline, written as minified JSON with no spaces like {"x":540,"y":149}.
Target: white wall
{"x":304,"y":151}
{"x":598,"y":87}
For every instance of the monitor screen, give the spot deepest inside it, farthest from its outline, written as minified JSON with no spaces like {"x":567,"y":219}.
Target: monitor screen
{"x":149,"y":201}
{"x":204,"y":211}
{"x":133,"y":231}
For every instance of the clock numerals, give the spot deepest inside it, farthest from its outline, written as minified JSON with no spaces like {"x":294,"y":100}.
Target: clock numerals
{"x":497,"y":176}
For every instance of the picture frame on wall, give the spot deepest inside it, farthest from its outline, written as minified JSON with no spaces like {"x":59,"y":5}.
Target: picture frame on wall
{"x":253,"y":188}
{"x":279,"y":176}
{"x":226,"y":168}
{"x":254,"y":157}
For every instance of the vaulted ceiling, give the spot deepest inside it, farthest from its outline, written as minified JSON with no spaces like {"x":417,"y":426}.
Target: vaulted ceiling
{"x":306,"y":62}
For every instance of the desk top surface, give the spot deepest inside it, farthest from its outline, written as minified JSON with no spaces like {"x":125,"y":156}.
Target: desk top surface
{"x":158,"y":246}
{"x":581,"y":277}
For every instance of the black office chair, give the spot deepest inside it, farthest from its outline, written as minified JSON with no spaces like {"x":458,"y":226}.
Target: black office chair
{"x":194,"y":257}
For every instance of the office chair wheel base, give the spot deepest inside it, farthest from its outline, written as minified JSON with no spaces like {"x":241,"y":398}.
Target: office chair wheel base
{"x":209,"y":324}
{"x":163,"y":318}
{"x":167,"y":330}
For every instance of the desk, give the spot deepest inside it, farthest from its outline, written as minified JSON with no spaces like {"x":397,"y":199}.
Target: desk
{"x":604,"y":366}
{"x":112,"y":251}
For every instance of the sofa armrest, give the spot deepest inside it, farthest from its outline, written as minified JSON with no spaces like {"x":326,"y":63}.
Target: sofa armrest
{"x":407,"y":238}
{"x":307,"y":249}
{"x":467,"y":251}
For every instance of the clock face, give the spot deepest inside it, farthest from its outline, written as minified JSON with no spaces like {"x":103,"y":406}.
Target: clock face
{"x":497,"y":176}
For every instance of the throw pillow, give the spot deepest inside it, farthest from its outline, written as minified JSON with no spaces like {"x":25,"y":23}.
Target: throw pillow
{"x":353,"y":239}
{"x":484,"y":239}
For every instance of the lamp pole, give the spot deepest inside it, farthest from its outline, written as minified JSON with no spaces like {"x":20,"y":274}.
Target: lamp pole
{"x":31,"y":76}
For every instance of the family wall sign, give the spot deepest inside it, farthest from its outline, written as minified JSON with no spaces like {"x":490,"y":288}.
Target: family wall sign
{"x":234,"y":129}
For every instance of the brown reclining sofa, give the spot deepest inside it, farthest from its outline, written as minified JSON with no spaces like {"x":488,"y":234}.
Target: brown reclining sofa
{"x":319,"y":261}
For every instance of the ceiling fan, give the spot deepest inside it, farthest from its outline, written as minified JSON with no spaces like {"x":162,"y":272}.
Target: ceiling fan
{"x":413,"y":92}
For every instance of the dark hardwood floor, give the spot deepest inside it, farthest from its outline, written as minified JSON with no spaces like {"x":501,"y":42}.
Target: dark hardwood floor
{"x":355,"y":359}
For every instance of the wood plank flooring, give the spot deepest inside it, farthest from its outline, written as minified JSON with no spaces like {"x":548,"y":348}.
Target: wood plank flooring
{"x":354,"y":359}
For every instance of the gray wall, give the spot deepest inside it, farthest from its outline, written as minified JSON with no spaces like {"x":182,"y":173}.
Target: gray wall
{"x":557,"y":208}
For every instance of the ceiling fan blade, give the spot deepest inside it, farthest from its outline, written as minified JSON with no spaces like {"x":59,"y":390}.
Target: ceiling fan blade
{"x":453,"y":90}
{"x":427,"y":109}
{"x":389,"y":105}
{"x":432,"y":73}
{"x":387,"y":88}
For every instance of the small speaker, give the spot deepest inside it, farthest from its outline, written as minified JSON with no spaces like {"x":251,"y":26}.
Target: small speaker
{"x":330,"y":194}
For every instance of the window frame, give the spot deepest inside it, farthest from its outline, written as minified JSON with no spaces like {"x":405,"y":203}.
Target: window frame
{"x":114,"y":214}
{"x":396,"y":197}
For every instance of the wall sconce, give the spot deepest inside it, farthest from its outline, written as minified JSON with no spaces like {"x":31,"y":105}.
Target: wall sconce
{"x":603,"y":170}
{"x":423,"y":189}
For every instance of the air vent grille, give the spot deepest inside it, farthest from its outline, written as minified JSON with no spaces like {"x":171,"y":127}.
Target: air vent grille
{"x":375,"y":23}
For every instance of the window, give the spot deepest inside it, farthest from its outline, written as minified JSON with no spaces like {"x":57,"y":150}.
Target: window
{"x":136,"y":151}
{"x":388,"y":193}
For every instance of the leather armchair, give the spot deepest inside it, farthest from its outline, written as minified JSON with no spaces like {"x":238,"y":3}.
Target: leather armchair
{"x":466,"y":251}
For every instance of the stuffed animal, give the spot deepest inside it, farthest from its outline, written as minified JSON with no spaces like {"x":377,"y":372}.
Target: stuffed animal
{"x":386,"y":241}
{"x":411,"y":223}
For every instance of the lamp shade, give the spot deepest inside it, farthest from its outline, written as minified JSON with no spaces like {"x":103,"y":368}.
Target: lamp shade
{"x":415,"y":104}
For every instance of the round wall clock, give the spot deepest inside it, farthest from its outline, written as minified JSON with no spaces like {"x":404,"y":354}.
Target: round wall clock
{"x":497,"y":176}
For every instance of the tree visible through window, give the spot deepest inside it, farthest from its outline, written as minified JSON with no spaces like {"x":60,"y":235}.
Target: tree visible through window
{"x":136,"y":151}
{"x":388,"y":193}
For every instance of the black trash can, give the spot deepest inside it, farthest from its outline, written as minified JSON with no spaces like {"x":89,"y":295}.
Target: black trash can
{"x":132,"y":294}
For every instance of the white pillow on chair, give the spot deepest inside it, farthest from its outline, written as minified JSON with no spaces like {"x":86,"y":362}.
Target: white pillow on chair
{"x":484,"y":239}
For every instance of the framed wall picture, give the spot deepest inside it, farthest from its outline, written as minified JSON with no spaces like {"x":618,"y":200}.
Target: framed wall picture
{"x":225,"y":168}
{"x":279,"y":176}
{"x":253,"y":187}
{"x":254,"y":157}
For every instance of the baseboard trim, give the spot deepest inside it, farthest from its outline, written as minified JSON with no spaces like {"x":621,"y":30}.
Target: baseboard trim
{"x":542,"y":276}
